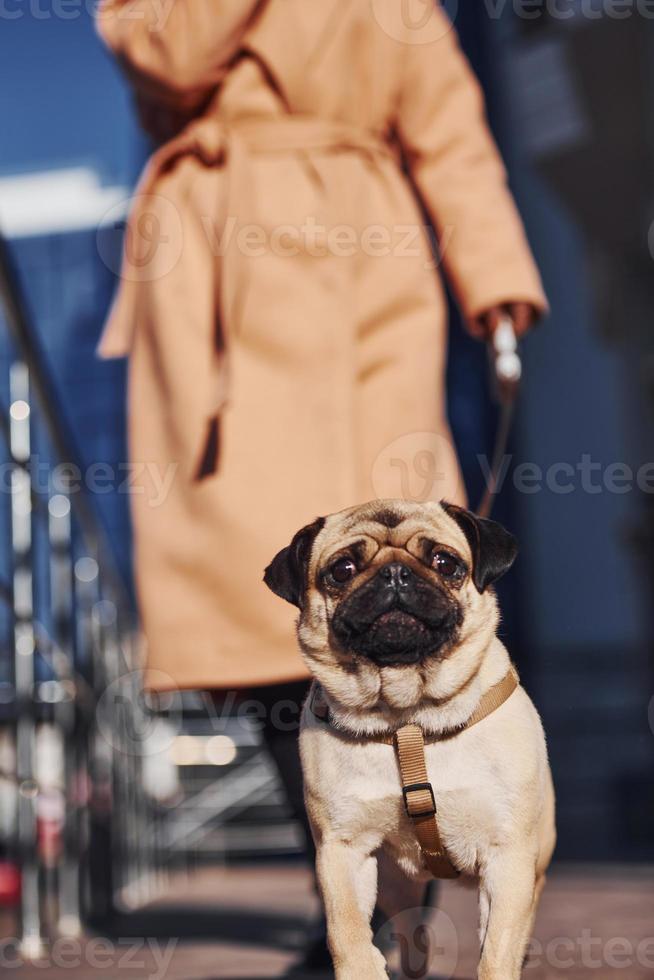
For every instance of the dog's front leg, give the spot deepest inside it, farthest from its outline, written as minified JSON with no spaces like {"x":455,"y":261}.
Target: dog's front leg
{"x":347,"y":875}
{"x":507,"y":895}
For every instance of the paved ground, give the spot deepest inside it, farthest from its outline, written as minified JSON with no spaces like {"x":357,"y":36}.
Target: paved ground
{"x":249,"y":923}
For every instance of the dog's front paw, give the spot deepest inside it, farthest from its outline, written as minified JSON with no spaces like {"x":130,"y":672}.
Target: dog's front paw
{"x":366,"y":964}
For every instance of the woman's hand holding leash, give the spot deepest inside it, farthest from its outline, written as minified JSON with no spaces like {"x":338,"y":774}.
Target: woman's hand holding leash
{"x":522,"y":315}
{"x":505,"y":360}
{"x":506,"y":369}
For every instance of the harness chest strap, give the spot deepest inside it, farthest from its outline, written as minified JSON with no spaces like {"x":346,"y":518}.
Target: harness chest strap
{"x":418,"y":792}
{"x":419,"y":800}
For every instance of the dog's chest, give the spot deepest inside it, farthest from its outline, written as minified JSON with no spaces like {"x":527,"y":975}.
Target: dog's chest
{"x":472,"y":810}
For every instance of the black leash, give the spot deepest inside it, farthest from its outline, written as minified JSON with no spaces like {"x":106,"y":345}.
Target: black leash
{"x":507,"y":372}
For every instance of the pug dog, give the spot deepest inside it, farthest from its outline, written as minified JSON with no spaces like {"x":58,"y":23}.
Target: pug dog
{"x":397,"y":623}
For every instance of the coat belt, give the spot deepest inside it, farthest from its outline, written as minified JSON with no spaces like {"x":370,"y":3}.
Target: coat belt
{"x":228,"y":145}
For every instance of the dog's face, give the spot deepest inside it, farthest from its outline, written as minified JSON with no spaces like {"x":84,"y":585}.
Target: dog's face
{"x":391,"y":585}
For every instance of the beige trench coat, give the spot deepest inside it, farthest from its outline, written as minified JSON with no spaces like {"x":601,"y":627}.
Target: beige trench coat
{"x":279,"y":302}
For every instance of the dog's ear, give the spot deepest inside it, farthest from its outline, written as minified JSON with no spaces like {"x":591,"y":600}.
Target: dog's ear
{"x":287,"y":572}
{"x":493,"y":548}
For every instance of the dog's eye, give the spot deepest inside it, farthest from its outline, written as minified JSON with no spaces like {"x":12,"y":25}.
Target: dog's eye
{"x":342,"y":570}
{"x":447,"y":565}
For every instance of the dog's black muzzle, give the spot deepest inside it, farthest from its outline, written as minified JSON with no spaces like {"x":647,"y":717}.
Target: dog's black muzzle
{"x":397,"y":617}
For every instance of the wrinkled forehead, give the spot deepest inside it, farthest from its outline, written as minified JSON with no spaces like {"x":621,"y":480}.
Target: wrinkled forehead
{"x":394,"y":523}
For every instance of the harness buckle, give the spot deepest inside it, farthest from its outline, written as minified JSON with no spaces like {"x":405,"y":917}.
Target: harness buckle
{"x":414,"y":788}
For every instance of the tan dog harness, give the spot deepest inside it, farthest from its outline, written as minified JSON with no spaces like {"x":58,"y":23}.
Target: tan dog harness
{"x":409,"y":742}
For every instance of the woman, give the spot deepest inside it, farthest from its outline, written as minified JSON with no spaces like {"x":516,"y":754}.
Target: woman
{"x":279,"y":302}
{"x":280,"y":305}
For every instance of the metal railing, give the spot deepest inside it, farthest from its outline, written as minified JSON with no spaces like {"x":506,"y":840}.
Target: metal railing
{"x":95,"y":831}
{"x":83,"y":830}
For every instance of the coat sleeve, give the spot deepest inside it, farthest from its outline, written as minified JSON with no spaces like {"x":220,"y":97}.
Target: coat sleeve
{"x":459,"y":174}
{"x":174,"y":51}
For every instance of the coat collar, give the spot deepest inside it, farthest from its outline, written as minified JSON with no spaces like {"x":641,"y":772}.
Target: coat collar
{"x":286,"y":36}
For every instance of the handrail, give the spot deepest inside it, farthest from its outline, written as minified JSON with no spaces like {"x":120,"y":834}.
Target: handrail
{"x":63,"y":440}
{"x":91,"y":647}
